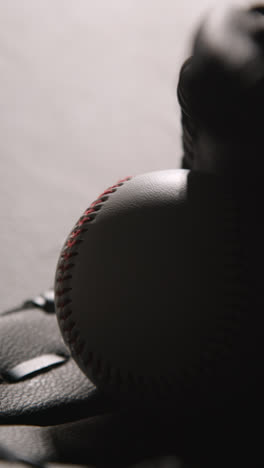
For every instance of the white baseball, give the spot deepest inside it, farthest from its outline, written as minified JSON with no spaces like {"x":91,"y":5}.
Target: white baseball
{"x":145,"y":287}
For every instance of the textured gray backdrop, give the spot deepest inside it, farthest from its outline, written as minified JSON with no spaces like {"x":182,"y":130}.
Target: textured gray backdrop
{"x":87,"y":96}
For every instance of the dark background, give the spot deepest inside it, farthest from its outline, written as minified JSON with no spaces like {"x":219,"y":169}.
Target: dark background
{"x":87,"y":96}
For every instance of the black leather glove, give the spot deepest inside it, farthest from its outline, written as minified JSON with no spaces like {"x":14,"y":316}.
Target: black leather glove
{"x":221,"y":93}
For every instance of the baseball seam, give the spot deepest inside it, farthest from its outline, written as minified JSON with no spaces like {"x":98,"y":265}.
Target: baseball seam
{"x":64,"y":275}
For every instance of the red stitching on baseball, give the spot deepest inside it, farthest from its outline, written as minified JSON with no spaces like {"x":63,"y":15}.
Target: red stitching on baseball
{"x":61,"y":292}
{"x":83,"y":221}
{"x":74,"y":335}
{"x":76,"y":233}
{"x":67,"y":255}
{"x":123,"y":180}
{"x":69,"y":327}
{"x":65,"y":314}
{"x":66,"y":267}
{"x":61,"y":304}
{"x":89,"y":211}
{"x":71,"y":244}
{"x":64,"y":303}
{"x":62,"y":278}
{"x":96,"y":202}
{"x":107,"y":192}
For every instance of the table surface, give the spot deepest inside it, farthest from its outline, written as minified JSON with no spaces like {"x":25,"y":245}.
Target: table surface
{"x":87,"y":96}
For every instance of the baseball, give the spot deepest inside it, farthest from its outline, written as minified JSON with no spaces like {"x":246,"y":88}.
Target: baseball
{"x":148,"y":289}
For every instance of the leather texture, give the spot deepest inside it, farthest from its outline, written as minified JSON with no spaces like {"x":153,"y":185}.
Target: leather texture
{"x":58,"y":394}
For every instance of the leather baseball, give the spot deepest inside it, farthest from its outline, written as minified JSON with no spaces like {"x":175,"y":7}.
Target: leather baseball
{"x":150,"y":290}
